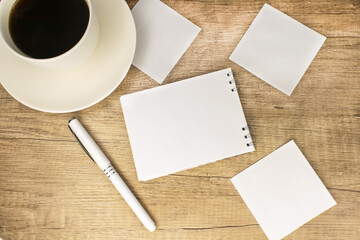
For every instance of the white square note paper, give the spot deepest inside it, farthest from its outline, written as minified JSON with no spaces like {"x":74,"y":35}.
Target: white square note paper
{"x":163,"y":36}
{"x":282,"y":191}
{"x":277,"y":49}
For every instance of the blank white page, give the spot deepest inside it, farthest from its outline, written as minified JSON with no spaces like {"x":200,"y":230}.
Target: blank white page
{"x":185,"y":124}
{"x":282,"y":191}
{"x":163,"y":36}
{"x":277,"y":49}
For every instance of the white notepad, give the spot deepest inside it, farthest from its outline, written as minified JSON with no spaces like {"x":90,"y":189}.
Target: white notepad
{"x":282,"y":191}
{"x":277,"y":49}
{"x":185,"y":124}
{"x":163,"y":36}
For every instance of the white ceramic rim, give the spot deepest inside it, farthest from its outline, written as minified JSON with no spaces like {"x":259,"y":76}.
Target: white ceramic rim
{"x":95,"y":101}
{"x":41,"y":60}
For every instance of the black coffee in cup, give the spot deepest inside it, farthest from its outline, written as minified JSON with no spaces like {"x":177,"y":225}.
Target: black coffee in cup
{"x":48,"y":28}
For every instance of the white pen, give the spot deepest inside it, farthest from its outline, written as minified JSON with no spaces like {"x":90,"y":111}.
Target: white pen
{"x":95,"y":153}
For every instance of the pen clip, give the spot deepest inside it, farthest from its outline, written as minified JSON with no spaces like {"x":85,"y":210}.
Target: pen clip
{"x":81,"y":145}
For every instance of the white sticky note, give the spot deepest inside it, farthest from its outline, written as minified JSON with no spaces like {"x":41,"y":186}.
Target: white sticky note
{"x":277,"y":49}
{"x":163,"y":36}
{"x":282,"y":191}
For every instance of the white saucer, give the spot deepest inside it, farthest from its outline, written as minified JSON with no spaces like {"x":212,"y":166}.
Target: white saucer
{"x":61,"y":91}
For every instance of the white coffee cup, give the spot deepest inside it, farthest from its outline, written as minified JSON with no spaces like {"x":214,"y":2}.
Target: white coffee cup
{"x":73,"y":57}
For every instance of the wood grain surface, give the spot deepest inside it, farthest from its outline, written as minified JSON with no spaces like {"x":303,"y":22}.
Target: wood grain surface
{"x":50,"y":189}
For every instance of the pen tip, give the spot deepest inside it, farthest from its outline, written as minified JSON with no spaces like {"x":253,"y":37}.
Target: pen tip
{"x":73,"y":118}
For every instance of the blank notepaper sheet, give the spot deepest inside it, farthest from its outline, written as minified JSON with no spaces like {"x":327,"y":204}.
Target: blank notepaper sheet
{"x":185,"y":124}
{"x":163,"y":36}
{"x":277,"y":49}
{"x":282,"y":191}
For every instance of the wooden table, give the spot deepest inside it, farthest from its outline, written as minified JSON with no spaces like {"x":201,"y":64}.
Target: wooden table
{"x":50,"y":189}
